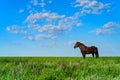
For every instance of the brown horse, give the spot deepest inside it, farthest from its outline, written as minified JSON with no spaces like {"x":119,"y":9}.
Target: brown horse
{"x":87,"y":50}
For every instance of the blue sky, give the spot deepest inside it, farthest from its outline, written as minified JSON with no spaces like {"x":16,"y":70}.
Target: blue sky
{"x":51,"y":27}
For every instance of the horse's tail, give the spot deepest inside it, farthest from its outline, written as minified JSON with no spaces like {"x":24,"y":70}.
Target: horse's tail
{"x":96,"y":52}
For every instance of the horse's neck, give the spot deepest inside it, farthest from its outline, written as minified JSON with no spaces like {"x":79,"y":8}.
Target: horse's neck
{"x":82,"y":47}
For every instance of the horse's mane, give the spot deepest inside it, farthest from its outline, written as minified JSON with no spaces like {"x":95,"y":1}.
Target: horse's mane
{"x":81,"y":44}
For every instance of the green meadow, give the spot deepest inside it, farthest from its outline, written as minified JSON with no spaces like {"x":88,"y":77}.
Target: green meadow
{"x":59,"y":68}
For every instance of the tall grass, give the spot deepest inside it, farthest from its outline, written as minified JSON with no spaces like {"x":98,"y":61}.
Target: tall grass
{"x":59,"y":68}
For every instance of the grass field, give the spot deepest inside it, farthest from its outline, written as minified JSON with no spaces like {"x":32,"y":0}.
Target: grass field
{"x":59,"y":68}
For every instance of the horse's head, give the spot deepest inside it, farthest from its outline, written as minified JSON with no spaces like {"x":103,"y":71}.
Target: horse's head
{"x":76,"y":44}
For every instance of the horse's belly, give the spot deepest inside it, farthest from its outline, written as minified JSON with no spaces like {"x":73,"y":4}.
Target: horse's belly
{"x":88,"y":52}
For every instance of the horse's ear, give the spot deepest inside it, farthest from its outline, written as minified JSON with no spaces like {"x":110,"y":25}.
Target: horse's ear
{"x":77,"y":42}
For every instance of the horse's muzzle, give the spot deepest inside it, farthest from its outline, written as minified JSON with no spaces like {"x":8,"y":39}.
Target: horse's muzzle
{"x":74,"y":47}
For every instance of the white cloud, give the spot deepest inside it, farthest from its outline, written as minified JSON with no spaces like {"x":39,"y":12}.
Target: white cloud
{"x":8,"y":28}
{"x":51,"y":22}
{"x":30,"y":38}
{"x":72,"y":42}
{"x":40,"y":3}
{"x":91,"y":6}
{"x":48,"y":24}
{"x":35,"y":2}
{"x":16,"y":29}
{"x":101,"y":31}
{"x":13,"y":29}
{"x":111,"y":25}
{"x":108,"y":28}
{"x":79,"y":24}
{"x":45,"y":23}
{"x":21,"y":10}
{"x":40,"y":36}
{"x":47,"y":16}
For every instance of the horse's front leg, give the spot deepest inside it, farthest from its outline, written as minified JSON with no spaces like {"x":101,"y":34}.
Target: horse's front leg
{"x":83,"y":55}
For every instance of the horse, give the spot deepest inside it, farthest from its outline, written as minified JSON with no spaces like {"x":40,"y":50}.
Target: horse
{"x":87,"y":50}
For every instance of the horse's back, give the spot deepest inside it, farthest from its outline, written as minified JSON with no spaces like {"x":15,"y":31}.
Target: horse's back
{"x":94,"y":47}
{"x":90,"y":50}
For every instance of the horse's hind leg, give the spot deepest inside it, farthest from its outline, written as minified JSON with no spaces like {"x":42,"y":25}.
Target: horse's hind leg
{"x":97,"y":55}
{"x":93,"y":55}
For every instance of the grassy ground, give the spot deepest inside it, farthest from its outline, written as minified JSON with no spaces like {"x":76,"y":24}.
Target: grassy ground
{"x":59,"y":68}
